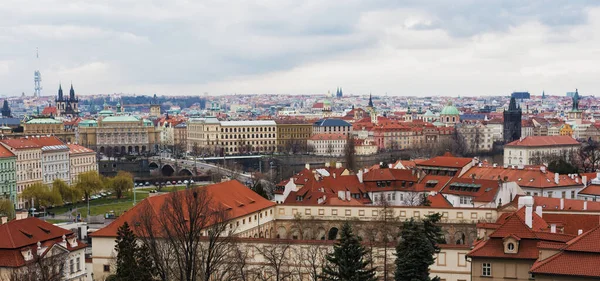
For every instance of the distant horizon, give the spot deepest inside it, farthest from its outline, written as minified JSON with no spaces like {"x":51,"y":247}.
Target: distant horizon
{"x":403,"y":48}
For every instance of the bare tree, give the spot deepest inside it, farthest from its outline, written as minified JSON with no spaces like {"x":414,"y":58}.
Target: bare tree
{"x":412,"y":199}
{"x":277,"y":266}
{"x":311,"y":259}
{"x":380,"y":234}
{"x":350,"y":153}
{"x":49,"y":267}
{"x":239,"y":267}
{"x":190,"y":240}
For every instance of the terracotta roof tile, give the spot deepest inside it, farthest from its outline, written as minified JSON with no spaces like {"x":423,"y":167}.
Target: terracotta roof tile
{"x":229,"y":193}
{"x":544,"y":141}
{"x":21,"y":144}
{"x":446,"y":161}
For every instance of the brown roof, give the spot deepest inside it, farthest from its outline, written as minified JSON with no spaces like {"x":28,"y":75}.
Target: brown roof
{"x":544,"y":141}
{"x":526,"y":177}
{"x":21,"y":143}
{"x":78,"y":149}
{"x":46,"y":140}
{"x":447,"y":161}
{"x":238,"y":199}
{"x":5,"y":153}
{"x":592,"y":189}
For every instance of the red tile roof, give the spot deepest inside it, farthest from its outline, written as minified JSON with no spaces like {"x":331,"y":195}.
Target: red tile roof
{"x":49,"y":110}
{"x":528,"y":177}
{"x":20,"y":143}
{"x":572,"y":223}
{"x":5,"y":153}
{"x":544,"y":141}
{"x":46,"y":140}
{"x":78,"y":149}
{"x":446,"y":161}
{"x":238,"y":199}
{"x":579,"y":258}
{"x":485,"y":193}
{"x":328,"y":137}
{"x":438,"y":201}
{"x":592,"y":189}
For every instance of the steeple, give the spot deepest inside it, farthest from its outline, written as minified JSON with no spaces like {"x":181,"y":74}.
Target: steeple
{"x":72,"y":93}
{"x":543,"y":94}
{"x":370,"y":101}
{"x":60,"y":92}
{"x":513,"y":104}
{"x":6,"y":109}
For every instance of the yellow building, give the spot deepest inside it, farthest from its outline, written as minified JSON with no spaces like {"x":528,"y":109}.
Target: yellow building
{"x":566,"y":130}
{"x":292,"y":135}
{"x":216,"y":137}
{"x":82,"y":160}
{"x":112,"y":135}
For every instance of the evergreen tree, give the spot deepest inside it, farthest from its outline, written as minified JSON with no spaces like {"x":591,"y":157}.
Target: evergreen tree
{"x":133,"y":261}
{"x":348,"y":260}
{"x":416,"y":249}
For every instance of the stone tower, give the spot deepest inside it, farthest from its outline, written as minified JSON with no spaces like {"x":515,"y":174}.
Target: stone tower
{"x":512,"y":122}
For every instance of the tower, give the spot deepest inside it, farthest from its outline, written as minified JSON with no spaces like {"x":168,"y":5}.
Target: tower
{"x":575,"y":113}
{"x":6,"y":110}
{"x":371,"y":110}
{"x":512,"y":122}
{"x":37,"y":78}
{"x":154,"y":107}
{"x":67,"y":106}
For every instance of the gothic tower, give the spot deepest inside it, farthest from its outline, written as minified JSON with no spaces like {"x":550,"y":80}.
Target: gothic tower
{"x":154,"y":107}
{"x":512,"y":122}
{"x":6,"y":110}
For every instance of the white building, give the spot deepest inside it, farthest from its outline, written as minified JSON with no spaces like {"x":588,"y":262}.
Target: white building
{"x":82,"y":160}
{"x":534,"y":150}
{"x":55,"y":159}
{"x":328,"y":144}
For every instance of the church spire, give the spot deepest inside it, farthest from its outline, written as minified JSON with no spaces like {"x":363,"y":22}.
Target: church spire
{"x":72,"y":93}
{"x":60,"y":92}
{"x":576,"y":100}
{"x":370,"y":101}
{"x":513,"y":104}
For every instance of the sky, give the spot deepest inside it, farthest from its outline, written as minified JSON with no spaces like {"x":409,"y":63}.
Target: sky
{"x":405,"y":48}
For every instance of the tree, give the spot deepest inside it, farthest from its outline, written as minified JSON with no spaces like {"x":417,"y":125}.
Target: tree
{"x":350,"y":153}
{"x":67,"y":192}
{"x":313,"y":259}
{"x":7,"y":208}
{"x":190,"y":240}
{"x":41,"y":195}
{"x":418,"y":244}
{"x":48,"y":267}
{"x":89,"y":183}
{"x":277,"y":262}
{"x":347,"y":262}
{"x":329,"y":150}
{"x":121,"y":183}
{"x":132,"y":259}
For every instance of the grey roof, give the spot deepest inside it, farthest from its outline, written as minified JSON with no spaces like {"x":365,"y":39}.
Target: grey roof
{"x":10,"y":121}
{"x":332,"y":123}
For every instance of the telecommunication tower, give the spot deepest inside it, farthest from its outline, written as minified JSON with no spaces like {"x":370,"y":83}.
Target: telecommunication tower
{"x":37,"y":77}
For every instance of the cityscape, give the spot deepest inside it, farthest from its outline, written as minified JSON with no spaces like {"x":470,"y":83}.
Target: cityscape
{"x":271,"y":168}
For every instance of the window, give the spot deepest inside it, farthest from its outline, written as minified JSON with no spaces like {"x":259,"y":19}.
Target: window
{"x":72,"y":266}
{"x":511,"y":247}
{"x":486,"y":269}
{"x":78,"y":265}
{"x":106,"y":268}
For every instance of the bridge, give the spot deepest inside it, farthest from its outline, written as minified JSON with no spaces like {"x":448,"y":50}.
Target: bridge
{"x":185,"y":167}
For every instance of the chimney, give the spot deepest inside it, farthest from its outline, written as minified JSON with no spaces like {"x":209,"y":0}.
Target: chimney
{"x":39,"y":248}
{"x":576,"y":180}
{"x":553,"y":228}
{"x":585,"y":205}
{"x":543,"y":169}
{"x":380,"y":164}
{"x":556,"y":178}
{"x":480,"y":164}
{"x":3,"y":219}
{"x":539,"y":211}
{"x":342,"y":195}
{"x":495,"y":165}
{"x":562,"y":203}
{"x":584,"y":181}
{"x":390,"y":166}
{"x":338,"y":165}
{"x":307,"y":166}
{"x":579,"y":232}
{"x":334,"y":175}
{"x":327,"y":164}
{"x":360,"y":175}
{"x":527,"y":202}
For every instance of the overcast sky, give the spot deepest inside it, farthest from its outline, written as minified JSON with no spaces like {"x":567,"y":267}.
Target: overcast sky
{"x":412,"y":48}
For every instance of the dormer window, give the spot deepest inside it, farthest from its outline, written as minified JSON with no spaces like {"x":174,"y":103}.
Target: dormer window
{"x":511,"y":244}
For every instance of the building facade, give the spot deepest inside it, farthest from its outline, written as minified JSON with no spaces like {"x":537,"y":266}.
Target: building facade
{"x":535,"y":150}
{"x":332,"y":126}
{"x":67,"y":106}
{"x":55,"y":159}
{"x":293,"y":135}
{"x":119,"y":135}
{"x":328,"y":144}
{"x":28,"y":164}
{"x":8,"y":175}
{"x":81,"y":160}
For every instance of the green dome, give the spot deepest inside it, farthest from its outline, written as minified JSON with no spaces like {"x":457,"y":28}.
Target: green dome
{"x":428,"y":113}
{"x":450,"y":110}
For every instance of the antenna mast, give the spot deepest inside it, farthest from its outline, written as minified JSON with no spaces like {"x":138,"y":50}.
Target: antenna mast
{"x":37,"y":77}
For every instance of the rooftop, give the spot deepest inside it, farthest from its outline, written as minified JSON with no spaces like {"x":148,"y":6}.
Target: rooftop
{"x":534,"y":141}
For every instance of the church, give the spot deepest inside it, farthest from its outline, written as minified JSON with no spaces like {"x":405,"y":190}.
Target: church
{"x":67,"y":106}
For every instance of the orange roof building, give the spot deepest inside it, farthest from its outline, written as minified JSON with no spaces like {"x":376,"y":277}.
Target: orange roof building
{"x":532,"y":150}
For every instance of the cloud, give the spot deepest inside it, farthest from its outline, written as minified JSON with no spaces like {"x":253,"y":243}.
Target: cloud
{"x":399,"y":47}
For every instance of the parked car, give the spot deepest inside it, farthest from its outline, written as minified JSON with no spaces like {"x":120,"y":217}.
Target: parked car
{"x":191,"y":181}
{"x":185,"y":182}
{"x":147,"y":183}
{"x":179,"y":182}
{"x":174,"y":182}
